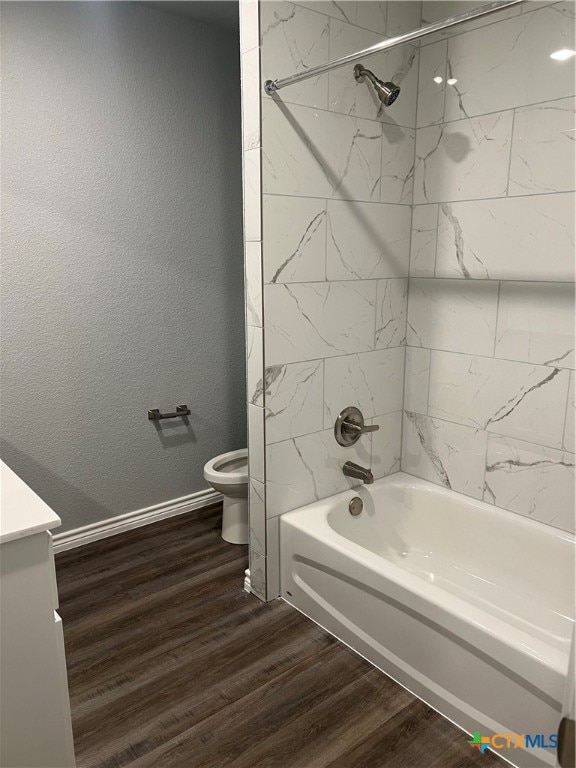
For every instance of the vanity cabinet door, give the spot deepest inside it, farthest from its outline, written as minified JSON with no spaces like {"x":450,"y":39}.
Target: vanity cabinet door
{"x":35,"y":724}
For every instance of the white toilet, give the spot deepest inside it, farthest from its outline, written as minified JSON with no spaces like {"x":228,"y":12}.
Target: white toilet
{"x":228,"y":474}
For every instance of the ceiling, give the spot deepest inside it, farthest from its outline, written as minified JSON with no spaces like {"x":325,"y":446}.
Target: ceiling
{"x":221,"y":13}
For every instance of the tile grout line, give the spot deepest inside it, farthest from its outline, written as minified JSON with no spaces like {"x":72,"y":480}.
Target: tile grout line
{"x":386,"y":36}
{"x":342,"y":21}
{"x":510,"y":154}
{"x":428,"y":202}
{"x":485,"y":465}
{"x":321,"y":198}
{"x":382,"y":168}
{"x":430,"y":349}
{"x":567,"y":410}
{"x":429,"y":380}
{"x":382,"y":123}
{"x":455,"y":280}
{"x":323,"y":391}
{"x":451,"y":36}
{"x":436,"y":240}
{"x":326,"y":228}
{"x":446,"y":60}
{"x":423,"y":44}
{"x":497,"y":318}
{"x":375,"y":317}
{"x":490,"y":357}
{"x":329,"y":430}
{"x":328,"y":111}
{"x":493,"y":434}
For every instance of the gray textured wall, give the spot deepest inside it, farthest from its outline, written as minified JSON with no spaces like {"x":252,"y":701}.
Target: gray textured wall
{"x":122,"y":283}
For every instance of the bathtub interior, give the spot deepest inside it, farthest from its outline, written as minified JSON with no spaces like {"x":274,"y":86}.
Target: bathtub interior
{"x":517,"y":570}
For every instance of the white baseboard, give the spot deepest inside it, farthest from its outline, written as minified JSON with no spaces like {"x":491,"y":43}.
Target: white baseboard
{"x":130,"y":520}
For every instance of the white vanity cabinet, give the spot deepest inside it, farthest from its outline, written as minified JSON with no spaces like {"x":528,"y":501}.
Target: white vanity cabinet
{"x":35,"y":723}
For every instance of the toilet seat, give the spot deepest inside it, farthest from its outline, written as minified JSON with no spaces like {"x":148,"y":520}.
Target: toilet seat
{"x":228,"y":468}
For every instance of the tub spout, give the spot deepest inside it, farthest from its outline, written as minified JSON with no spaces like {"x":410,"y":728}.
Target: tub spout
{"x":360,"y":473}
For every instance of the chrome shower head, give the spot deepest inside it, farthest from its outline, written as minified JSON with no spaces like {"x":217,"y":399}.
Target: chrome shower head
{"x":386,"y":92}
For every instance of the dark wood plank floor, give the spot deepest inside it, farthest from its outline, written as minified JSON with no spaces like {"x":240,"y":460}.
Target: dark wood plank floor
{"x":172,"y":665}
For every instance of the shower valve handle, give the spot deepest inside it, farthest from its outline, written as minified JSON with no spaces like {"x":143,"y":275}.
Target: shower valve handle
{"x":356,"y":429}
{"x":350,"y":426}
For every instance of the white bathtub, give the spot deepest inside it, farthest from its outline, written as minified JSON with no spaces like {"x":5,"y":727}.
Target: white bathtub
{"x":468,"y":606}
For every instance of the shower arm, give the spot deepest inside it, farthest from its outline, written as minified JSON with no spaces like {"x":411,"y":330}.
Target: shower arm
{"x":361,"y":72}
{"x":271,"y":86}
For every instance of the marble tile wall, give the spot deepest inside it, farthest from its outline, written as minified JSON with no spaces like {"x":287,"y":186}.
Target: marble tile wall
{"x":416,"y":262}
{"x":328,"y":193}
{"x":337,"y":182}
{"x":489,"y":380}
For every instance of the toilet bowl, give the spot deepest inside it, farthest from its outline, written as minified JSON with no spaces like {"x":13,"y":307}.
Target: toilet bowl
{"x":228,"y":474}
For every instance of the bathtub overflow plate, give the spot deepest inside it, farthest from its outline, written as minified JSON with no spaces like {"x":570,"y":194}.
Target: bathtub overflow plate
{"x":356,"y":506}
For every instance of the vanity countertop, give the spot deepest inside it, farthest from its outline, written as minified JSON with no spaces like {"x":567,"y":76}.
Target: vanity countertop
{"x":22,"y":512}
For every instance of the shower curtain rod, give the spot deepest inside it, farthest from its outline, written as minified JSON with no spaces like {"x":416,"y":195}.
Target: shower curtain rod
{"x":271,"y":86}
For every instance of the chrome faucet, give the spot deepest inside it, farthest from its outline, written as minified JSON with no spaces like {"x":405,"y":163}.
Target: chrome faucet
{"x":360,"y":473}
